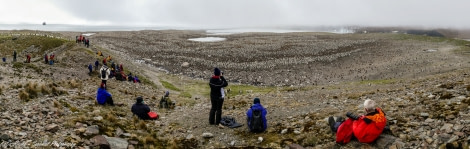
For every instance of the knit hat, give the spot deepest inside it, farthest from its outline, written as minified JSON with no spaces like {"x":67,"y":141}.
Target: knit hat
{"x":102,"y":85}
{"x":256,"y":100}
{"x":217,"y":71}
{"x":139,"y":99}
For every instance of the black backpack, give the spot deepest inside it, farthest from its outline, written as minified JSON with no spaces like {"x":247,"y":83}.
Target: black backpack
{"x":103,"y":73}
{"x":256,"y":121}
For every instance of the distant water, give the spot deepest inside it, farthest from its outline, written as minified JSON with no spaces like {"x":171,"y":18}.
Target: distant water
{"x":212,"y":31}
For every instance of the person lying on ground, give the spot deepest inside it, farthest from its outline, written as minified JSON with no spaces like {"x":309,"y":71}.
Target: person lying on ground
{"x":366,"y":128}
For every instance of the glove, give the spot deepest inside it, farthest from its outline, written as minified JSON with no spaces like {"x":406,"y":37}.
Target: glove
{"x":352,"y":116}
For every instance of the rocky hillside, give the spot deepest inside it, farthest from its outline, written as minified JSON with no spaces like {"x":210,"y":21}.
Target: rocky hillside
{"x":422,"y":83}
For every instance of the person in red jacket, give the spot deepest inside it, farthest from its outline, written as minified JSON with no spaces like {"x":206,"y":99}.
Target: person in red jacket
{"x":366,"y":128}
{"x":28,"y":58}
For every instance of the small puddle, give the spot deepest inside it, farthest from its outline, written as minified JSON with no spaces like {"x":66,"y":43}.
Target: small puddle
{"x":88,"y":34}
{"x":208,"y":39}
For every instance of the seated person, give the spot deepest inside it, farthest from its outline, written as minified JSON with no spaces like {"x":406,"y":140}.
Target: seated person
{"x":129,"y":77}
{"x":366,"y":128}
{"x":136,"y":79}
{"x":256,"y":117}
{"x":140,"y":109}
{"x":104,"y":97}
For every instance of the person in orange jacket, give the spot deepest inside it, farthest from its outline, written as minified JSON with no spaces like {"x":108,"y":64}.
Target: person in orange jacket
{"x":366,"y":128}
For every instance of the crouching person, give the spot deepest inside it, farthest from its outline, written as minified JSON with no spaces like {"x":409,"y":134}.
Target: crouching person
{"x":256,"y":117}
{"x":104,"y":97}
{"x":366,"y":128}
{"x":142,"y":110}
{"x":165,"y":101}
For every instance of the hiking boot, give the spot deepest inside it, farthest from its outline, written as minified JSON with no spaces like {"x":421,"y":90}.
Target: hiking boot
{"x":339,"y":119}
{"x":331,"y":123}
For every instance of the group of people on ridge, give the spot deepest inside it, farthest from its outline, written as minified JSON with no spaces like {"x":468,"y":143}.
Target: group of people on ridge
{"x":103,"y":97}
{"x":82,"y":39}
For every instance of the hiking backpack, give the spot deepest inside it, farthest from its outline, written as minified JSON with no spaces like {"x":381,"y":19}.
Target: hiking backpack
{"x":103,"y":73}
{"x":256,"y":121}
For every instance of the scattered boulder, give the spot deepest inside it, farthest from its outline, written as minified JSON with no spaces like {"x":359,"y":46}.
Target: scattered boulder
{"x":284,"y":131}
{"x":92,"y":130}
{"x":118,"y":132}
{"x":295,"y":146}
{"x":207,"y":135}
{"x":185,"y":64}
{"x":100,"y":141}
{"x":189,"y":137}
{"x":117,"y":143}
{"x":4,"y":137}
{"x":425,"y":115}
{"x":52,"y":127}
{"x":98,"y":118}
{"x":384,"y":141}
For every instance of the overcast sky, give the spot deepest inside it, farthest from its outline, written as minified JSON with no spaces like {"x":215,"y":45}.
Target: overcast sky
{"x":239,"y":13}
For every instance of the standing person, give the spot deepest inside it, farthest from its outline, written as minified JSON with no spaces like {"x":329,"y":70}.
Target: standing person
{"x":216,"y":82}
{"x":104,"y":73}
{"x":46,"y":58}
{"x":28,"y":58}
{"x":104,"y":97}
{"x":51,"y":59}
{"x":90,"y":68}
{"x":87,"y":43}
{"x":14,"y":56}
{"x":366,"y":128}
{"x":104,"y":61}
{"x":97,"y":63}
{"x":256,"y":117}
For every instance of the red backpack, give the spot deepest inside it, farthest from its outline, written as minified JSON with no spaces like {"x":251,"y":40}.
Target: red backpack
{"x":345,"y":132}
{"x":153,"y":115}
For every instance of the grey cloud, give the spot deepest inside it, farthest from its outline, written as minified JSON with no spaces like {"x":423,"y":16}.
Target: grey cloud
{"x":246,"y":13}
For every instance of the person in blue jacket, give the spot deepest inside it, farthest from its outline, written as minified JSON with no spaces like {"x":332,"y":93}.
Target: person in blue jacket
{"x":90,"y":68}
{"x":104,"y":97}
{"x":96,"y":65}
{"x":253,"y":121}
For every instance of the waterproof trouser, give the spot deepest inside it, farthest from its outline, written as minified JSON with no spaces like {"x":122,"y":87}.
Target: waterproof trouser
{"x":216,"y":110}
